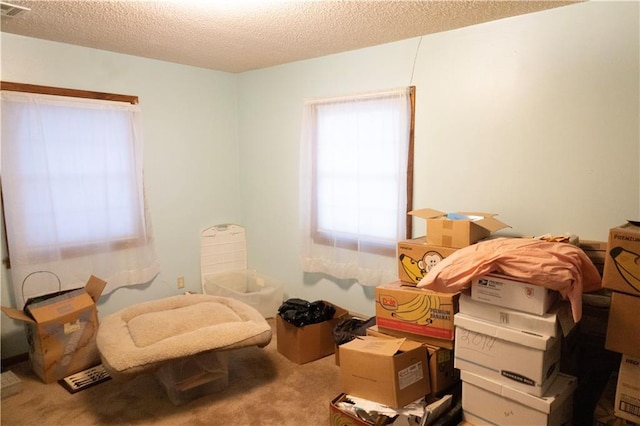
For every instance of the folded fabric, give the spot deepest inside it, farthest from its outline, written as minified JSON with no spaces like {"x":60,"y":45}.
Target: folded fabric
{"x":559,"y":266}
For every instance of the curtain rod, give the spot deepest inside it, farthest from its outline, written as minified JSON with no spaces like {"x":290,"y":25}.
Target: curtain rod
{"x":361,"y":96}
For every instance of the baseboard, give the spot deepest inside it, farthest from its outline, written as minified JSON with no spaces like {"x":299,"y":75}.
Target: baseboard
{"x":13,"y":360}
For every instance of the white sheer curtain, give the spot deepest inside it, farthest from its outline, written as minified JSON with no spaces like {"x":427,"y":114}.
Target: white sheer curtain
{"x":73,"y":193}
{"x":353,"y":175}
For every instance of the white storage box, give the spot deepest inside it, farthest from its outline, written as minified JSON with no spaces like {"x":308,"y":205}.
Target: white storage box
{"x":512,"y":293}
{"x":485,"y":401}
{"x":258,"y":291}
{"x":521,"y":360}
{"x":558,"y":321}
{"x":186,"y":379}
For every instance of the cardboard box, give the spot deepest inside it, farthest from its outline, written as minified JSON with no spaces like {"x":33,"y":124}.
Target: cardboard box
{"x":442,"y":373}
{"x":557,"y":322}
{"x":339,"y":416}
{"x":416,"y":310}
{"x":392,"y":372}
{"x":622,"y":263}
{"x":623,"y":328}
{"x":526,"y":362}
{"x":596,"y":251}
{"x":62,"y":331}
{"x":627,"y":402}
{"x":308,"y":343}
{"x":441,"y":343}
{"x":485,"y":401}
{"x":416,"y":258}
{"x":459,"y":229}
{"x":502,"y":290}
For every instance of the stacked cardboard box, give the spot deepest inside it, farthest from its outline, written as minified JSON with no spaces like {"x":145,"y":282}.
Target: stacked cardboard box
{"x":622,"y":276}
{"x":445,"y":234}
{"x":508,"y":349}
{"x":415,"y":357}
{"x":424,"y":316}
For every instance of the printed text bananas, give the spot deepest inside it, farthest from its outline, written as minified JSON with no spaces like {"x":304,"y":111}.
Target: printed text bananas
{"x":417,"y":311}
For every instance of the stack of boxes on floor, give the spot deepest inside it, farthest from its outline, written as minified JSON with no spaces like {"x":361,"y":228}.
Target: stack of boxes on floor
{"x":622,"y":276}
{"x":423,"y":365}
{"x":509,"y":340}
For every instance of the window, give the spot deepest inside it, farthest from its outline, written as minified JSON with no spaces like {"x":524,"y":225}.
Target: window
{"x":356,"y":172}
{"x":72,"y":189}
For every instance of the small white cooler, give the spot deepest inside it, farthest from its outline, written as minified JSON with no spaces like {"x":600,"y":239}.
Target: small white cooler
{"x":224,"y":271}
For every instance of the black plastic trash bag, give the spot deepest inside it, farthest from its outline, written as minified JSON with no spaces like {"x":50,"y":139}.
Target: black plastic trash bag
{"x":347,"y":329}
{"x":300,"y":312}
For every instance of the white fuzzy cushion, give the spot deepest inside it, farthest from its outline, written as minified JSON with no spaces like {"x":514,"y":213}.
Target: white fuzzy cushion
{"x":144,"y":336}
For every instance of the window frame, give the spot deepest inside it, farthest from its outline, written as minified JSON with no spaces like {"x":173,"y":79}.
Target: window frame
{"x":339,"y":239}
{"x":79,"y":249}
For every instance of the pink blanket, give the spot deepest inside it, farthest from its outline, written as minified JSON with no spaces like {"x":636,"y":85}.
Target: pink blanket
{"x":558,"y":266}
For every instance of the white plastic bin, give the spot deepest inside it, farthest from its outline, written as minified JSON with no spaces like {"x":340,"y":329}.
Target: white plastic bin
{"x":258,"y":291}
{"x":186,"y":379}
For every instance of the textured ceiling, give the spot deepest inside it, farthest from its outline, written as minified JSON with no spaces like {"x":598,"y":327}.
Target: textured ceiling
{"x":241,"y":35}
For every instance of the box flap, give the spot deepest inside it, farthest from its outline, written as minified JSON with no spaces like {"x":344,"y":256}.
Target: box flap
{"x":426,"y":213}
{"x":95,"y":286}
{"x":509,"y":334}
{"x":488,"y":221}
{"x":375,"y":345}
{"x":484,"y":220}
{"x":55,"y":310}
{"x":491,"y":224}
{"x":407,"y":345}
{"x":16,"y":314}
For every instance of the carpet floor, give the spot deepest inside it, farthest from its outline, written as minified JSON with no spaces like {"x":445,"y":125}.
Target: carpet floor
{"x":264,"y":388}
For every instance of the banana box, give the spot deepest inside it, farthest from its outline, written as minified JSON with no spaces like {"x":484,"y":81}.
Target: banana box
{"x":416,"y":258}
{"x":415,"y":310}
{"x":622,"y":261}
{"x":623,"y":330}
{"x":343,"y":411}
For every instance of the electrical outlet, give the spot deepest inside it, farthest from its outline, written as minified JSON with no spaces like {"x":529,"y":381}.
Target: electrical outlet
{"x":180,"y":282}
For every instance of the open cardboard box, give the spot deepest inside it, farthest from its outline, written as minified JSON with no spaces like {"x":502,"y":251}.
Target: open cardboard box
{"x":340,"y":416}
{"x":62,"y":331}
{"x":393,"y":372}
{"x":442,"y":374}
{"x":458,"y":229}
{"x":308,"y":343}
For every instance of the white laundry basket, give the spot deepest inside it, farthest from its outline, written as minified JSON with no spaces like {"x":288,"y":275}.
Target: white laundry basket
{"x":263,"y":293}
{"x":224,"y":271}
